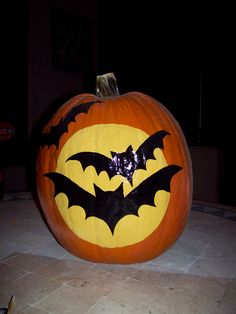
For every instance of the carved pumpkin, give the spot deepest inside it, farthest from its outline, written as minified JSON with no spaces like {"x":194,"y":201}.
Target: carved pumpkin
{"x":114,"y":176}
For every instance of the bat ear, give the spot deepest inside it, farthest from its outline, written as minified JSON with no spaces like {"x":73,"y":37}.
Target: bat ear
{"x":129,"y":149}
{"x":119,"y":192}
{"x":98,"y":191}
{"x":113,"y":154}
{"x":162,"y":134}
{"x":120,"y":188}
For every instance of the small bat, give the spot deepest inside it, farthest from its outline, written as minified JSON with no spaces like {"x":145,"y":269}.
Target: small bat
{"x":111,"y":206}
{"x":124,"y":163}
{"x":56,"y":131}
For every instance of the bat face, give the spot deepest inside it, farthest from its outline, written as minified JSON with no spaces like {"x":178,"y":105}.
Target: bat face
{"x":119,"y":144}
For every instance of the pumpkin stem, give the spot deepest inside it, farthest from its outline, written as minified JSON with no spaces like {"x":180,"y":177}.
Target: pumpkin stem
{"x":106,"y":85}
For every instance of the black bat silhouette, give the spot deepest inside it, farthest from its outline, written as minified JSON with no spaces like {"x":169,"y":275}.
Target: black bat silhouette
{"x":56,"y":131}
{"x":124,"y":163}
{"x":111,"y":206}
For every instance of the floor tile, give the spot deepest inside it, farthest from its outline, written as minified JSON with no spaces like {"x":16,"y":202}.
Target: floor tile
{"x":193,"y":247}
{"x":222,"y":250}
{"x":98,"y":281}
{"x":49,"y":248}
{"x":9,"y":249}
{"x":27,"y":290}
{"x":27,"y":262}
{"x":214,"y":268}
{"x":209,"y":287}
{"x":162,"y":278}
{"x":9,"y":273}
{"x":173,"y":260}
{"x":68,"y":300}
{"x":184,"y":301}
{"x":62,"y":271}
{"x":134,"y":296}
{"x":227,"y":304}
{"x":29,"y":241}
{"x":34,"y":310}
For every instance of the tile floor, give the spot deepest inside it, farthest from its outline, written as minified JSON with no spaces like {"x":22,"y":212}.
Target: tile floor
{"x":197,"y":275}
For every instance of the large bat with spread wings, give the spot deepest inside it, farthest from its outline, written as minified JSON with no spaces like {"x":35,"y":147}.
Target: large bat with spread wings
{"x":124,"y":163}
{"x":111,"y":206}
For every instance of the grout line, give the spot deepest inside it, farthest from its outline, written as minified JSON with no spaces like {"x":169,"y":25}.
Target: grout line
{"x":24,"y":275}
{"x":32,"y":306}
{"x":198,"y":257}
{"x":106,"y":296}
{"x":46,"y":296}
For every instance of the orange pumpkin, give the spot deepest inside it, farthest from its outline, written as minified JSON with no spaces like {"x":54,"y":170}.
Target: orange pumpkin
{"x":114,"y":176}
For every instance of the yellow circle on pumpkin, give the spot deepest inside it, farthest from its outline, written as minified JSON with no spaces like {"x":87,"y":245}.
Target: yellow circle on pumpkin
{"x":104,"y":138}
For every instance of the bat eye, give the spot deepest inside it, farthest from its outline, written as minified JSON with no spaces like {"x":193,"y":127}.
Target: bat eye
{"x":126,"y":161}
{"x":129,"y":166}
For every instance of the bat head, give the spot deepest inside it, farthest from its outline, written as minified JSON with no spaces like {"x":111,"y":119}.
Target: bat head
{"x":124,"y":163}
{"x":117,"y":194}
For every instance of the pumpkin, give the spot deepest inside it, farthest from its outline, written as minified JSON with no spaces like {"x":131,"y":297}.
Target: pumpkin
{"x":114,"y":176}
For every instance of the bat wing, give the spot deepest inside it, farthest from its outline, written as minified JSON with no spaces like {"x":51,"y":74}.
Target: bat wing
{"x":98,"y":161}
{"x":56,"y":131}
{"x":75,"y":194}
{"x":146,"y":150}
{"x":145,"y":192}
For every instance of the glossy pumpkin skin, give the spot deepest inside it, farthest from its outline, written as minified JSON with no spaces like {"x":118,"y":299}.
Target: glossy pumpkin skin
{"x":146,"y":115}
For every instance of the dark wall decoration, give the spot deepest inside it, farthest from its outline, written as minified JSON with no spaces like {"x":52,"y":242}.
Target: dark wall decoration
{"x":71,"y":40}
